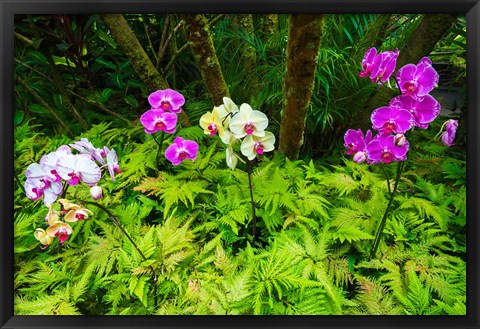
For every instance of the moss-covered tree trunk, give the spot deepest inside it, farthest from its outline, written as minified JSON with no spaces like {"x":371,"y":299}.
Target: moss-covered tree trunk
{"x":270,"y":25}
{"x":421,"y":43}
{"x":249,"y":56}
{"x":133,"y":50}
{"x":201,"y":43}
{"x":304,"y":34}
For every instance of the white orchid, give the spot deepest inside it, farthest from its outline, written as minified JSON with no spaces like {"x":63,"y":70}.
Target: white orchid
{"x":253,"y":145}
{"x":248,"y":122}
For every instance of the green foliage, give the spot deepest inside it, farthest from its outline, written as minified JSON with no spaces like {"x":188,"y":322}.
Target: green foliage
{"x":316,"y":219}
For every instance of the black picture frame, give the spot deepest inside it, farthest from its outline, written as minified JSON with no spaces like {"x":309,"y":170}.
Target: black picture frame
{"x":8,"y":8}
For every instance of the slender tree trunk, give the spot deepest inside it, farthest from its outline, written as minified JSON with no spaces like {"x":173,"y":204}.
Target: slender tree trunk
{"x":201,"y":43}
{"x":304,"y":34}
{"x":249,"y":57}
{"x":270,"y":25}
{"x":421,"y":43}
{"x":133,"y":50}
{"x":126,"y":39}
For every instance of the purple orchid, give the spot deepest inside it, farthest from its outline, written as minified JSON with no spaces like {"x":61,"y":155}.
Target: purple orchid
{"x":367,"y":62}
{"x":167,"y":100}
{"x":451,"y":130}
{"x":386,"y":148}
{"x":157,"y":120}
{"x":383,"y":66}
{"x":356,"y":143}
{"x":74,"y":168}
{"x":355,"y":140}
{"x":424,"y":109}
{"x":417,"y":79}
{"x":181,"y":149}
{"x":391,"y":119}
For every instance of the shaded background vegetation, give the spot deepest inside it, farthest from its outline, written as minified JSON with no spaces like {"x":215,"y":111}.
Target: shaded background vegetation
{"x":90,"y":75}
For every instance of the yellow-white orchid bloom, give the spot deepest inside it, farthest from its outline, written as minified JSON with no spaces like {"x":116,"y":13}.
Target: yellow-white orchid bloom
{"x":253,"y":145}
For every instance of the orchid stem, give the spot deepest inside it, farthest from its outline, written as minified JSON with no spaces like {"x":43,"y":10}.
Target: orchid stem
{"x":65,"y":188}
{"x":386,"y":177}
{"x":254,"y":216}
{"x":160,"y":144}
{"x":119,"y":225}
{"x":379,"y":233}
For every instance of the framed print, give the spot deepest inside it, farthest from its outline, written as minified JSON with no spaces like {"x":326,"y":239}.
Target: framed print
{"x":278,"y":164}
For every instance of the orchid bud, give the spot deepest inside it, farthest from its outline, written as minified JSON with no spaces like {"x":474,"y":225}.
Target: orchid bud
{"x":400,"y":140}
{"x":359,"y":157}
{"x":96,"y":192}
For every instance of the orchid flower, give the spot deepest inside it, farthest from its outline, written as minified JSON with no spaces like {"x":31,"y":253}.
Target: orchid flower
{"x":248,"y":122}
{"x":227,"y":110}
{"x":96,"y":192}
{"x":79,"y":214}
{"x":85,"y":147}
{"x":112,"y":163}
{"x":383,"y":66}
{"x":61,"y":230}
{"x":50,"y":160}
{"x":253,"y":145}
{"x":356,"y":144}
{"x":181,"y":149}
{"x":383,"y":148}
{"x":166,"y":100}
{"x":392,"y":119}
{"x":417,"y":79}
{"x":424,"y":109}
{"x":231,"y":157}
{"x":158,"y":120}
{"x":38,"y":184}
{"x":74,"y":168}
{"x":211,"y":122}
{"x":449,"y":135}
{"x":42,"y":236}
{"x":367,"y":62}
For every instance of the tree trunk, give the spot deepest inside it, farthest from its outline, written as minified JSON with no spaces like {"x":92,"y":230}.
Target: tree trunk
{"x":420,"y":44}
{"x":270,"y":25}
{"x":133,"y":50}
{"x":201,"y":43}
{"x":304,"y":34}
{"x":249,"y":57}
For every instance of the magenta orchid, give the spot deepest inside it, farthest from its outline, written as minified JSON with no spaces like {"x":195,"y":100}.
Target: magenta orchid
{"x":383,"y":66}
{"x":392,"y":119}
{"x":158,"y":120}
{"x":379,"y":67}
{"x":417,"y":79}
{"x":180,"y":150}
{"x":166,"y":100}
{"x":383,"y":148}
{"x":424,"y":109}
{"x":355,"y":141}
{"x":451,"y":130}
{"x":367,"y":62}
